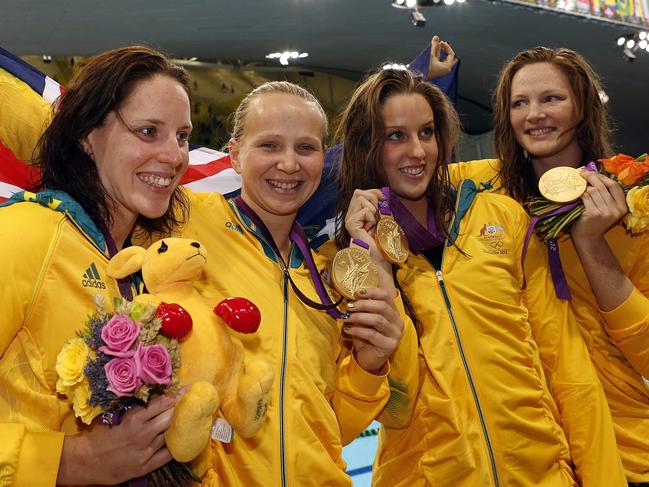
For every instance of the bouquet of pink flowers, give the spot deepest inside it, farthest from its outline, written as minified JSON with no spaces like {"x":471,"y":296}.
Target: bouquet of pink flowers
{"x":117,"y":362}
{"x":553,"y":219}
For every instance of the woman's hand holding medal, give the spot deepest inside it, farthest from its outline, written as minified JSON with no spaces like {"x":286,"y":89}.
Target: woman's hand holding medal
{"x":374,"y":325}
{"x":604,"y":205}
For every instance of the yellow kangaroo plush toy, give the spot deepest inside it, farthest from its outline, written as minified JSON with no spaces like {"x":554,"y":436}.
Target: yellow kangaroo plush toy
{"x":211,"y":359}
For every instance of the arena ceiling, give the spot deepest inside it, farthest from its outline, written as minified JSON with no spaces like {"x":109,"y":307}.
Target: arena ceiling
{"x":346,"y":37}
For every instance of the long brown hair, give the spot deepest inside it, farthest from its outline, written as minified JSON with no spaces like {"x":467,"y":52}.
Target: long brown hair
{"x":98,"y":89}
{"x":362,"y":133}
{"x":517,"y":176}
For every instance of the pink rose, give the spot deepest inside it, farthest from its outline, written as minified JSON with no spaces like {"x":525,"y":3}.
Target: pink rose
{"x":154,"y":364}
{"x":119,"y":334}
{"x":123,"y":376}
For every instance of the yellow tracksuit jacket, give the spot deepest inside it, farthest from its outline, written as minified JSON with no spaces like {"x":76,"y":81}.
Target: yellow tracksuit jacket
{"x":50,"y":272}
{"x":321,"y":398}
{"x":618,"y":340}
{"x":485,"y":414}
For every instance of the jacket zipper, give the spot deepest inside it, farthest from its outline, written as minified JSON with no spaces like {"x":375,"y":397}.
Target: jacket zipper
{"x":483,"y":424}
{"x":465,"y":363}
{"x":282,"y":373}
{"x":282,"y":454}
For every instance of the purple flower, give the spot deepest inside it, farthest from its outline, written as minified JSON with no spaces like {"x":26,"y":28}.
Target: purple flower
{"x":123,"y":376}
{"x":119,"y":334}
{"x":154,"y":364}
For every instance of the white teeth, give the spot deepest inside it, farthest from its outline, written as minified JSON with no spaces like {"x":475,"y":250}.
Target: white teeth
{"x":412,"y":171}
{"x":281,"y":185}
{"x":542,"y":131}
{"x":157,"y":181}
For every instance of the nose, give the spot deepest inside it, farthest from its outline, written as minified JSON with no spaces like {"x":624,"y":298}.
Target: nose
{"x":288,"y":162}
{"x":171,"y":152}
{"x":417,"y":149}
{"x":535,"y":112}
{"x":196,"y":245}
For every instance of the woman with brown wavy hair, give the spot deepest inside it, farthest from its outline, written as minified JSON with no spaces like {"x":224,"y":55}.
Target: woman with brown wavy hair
{"x":504,"y":376}
{"x":548,"y":113}
{"x":112,"y":158}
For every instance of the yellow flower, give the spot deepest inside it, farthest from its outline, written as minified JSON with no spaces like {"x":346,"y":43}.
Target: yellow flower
{"x":80,"y":396}
{"x":637,"y":199}
{"x":70,"y":364}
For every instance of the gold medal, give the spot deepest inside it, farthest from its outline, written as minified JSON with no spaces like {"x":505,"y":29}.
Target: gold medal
{"x":352,"y":269}
{"x":562,"y":184}
{"x":391,"y":240}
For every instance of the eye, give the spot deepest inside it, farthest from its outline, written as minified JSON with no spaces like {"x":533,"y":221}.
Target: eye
{"x":306,"y":148}
{"x":147,"y":132}
{"x":396,"y":135}
{"x":552,"y":98}
{"x":427,"y":132}
{"x":182,"y":137}
{"x":268,"y":145}
{"x":163,"y":247}
{"x":518,"y":103}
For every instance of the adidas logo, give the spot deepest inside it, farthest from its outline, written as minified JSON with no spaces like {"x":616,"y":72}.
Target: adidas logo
{"x":91,"y":278}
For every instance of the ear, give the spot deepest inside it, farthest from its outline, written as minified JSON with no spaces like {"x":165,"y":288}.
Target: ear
{"x":233,"y":149}
{"x":126,"y":261}
{"x":86,"y":145}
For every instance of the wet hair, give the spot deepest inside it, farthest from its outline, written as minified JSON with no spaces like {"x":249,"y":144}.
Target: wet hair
{"x":592,"y":132}
{"x":362,"y":133}
{"x":97,"y":90}
{"x":271,"y":87}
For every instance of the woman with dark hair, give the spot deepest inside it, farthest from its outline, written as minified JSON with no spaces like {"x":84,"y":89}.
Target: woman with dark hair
{"x":506,"y":393}
{"x":111,"y":159}
{"x":548,"y":113}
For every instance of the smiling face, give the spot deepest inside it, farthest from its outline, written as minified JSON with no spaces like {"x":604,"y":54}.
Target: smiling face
{"x":141,"y":149}
{"x":410,"y":149}
{"x":544,"y":115}
{"x":280,"y":155}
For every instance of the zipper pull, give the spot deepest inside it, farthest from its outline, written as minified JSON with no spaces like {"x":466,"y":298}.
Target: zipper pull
{"x":440,"y":278}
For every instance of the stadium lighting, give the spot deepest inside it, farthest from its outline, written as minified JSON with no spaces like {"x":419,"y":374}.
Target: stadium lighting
{"x":632,"y":43}
{"x":286,"y":56}
{"x":414,"y":6}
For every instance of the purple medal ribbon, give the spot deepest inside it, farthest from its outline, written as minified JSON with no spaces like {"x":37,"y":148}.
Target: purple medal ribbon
{"x":419,"y":238}
{"x":561,"y":287}
{"x":300,"y":239}
{"x":126,"y":283}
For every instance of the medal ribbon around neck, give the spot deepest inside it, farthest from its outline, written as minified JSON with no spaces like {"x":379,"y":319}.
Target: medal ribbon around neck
{"x":419,"y":238}
{"x":125,"y":284}
{"x":298,"y":237}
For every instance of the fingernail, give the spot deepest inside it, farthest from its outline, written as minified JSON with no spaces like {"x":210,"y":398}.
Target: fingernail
{"x":591,"y":167}
{"x":362,"y":291}
{"x":347,"y":327}
{"x":351,"y":305}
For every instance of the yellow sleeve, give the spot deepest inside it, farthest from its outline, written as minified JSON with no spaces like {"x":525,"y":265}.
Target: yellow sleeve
{"x":26,"y":458}
{"x":480,"y":171}
{"x":29,"y":459}
{"x":358,"y":397}
{"x":571,"y":376}
{"x":404,"y":375}
{"x":628,"y":324}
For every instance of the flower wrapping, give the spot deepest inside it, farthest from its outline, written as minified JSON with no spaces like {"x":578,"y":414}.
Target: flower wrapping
{"x":553,"y":219}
